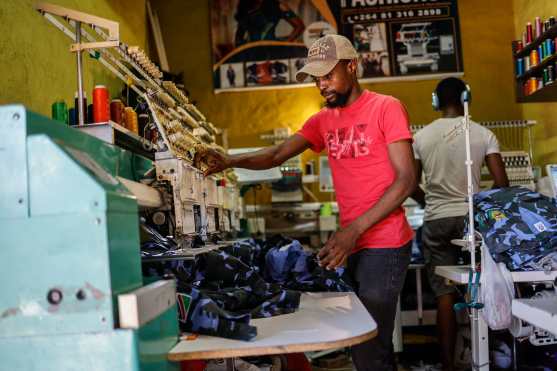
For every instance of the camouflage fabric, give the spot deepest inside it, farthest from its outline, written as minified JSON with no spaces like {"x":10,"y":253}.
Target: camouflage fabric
{"x":226,"y":289}
{"x":518,"y":226}
{"x":296,"y":269}
{"x":204,"y":316}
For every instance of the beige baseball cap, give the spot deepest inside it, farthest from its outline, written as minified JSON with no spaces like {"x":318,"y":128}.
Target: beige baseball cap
{"x":324,"y":54}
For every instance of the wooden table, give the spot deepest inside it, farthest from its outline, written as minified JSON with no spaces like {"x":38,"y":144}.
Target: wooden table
{"x":323,"y":321}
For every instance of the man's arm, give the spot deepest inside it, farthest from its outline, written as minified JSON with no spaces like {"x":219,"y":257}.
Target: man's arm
{"x":339,"y":246}
{"x":418,"y":195}
{"x":496,"y":168}
{"x":265,"y":158}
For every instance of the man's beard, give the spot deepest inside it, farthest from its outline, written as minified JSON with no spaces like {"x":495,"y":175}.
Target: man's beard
{"x":339,"y":101}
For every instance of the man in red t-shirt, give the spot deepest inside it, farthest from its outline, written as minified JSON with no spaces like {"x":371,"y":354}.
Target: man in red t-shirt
{"x":368,"y":141}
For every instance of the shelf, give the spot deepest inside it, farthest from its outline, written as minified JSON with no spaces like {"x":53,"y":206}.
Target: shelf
{"x":111,"y":132}
{"x":546,"y":94}
{"x":532,"y":72}
{"x":549,"y":34}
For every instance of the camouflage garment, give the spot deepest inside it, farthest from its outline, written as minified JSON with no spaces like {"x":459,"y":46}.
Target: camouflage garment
{"x":518,"y":226}
{"x":221,"y":291}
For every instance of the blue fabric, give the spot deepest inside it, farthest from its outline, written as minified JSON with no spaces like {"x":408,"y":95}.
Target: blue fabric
{"x":517,"y":225}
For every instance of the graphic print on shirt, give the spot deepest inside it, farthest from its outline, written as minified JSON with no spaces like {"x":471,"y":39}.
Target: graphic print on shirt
{"x":348,"y":142}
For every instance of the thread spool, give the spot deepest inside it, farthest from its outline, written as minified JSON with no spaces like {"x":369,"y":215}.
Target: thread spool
{"x":143,"y":121}
{"x":117,"y":111}
{"x":72,"y":117}
{"x":89,"y":114}
{"x":101,"y":107}
{"x":60,"y":112}
{"x":526,"y":63}
{"x":130,"y":118}
{"x":83,"y":104}
{"x":529,"y":33}
{"x":533,"y":85}
{"x":550,"y":74}
{"x":534,"y":58}
{"x":551,"y":21}
{"x":538,"y":27}
{"x":519,"y":67}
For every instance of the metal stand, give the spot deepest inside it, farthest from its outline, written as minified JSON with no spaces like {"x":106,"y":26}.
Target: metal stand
{"x":230,"y":364}
{"x":479,"y":330}
{"x":80,"y":108}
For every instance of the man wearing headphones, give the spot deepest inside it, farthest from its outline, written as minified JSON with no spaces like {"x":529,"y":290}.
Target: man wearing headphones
{"x":440,"y":152}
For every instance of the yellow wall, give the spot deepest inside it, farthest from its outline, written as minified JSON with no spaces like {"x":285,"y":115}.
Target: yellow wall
{"x":37,"y":66}
{"x":486,"y":27}
{"x":487,"y":64}
{"x":545,"y":133}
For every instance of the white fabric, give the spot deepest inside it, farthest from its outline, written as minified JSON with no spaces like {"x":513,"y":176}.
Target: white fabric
{"x":440,"y":147}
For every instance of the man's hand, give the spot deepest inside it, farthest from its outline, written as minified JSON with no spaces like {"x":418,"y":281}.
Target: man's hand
{"x":213,"y":159}
{"x":338,"y":247}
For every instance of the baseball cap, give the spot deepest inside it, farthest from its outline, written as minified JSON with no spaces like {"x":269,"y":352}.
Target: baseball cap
{"x":324,"y":54}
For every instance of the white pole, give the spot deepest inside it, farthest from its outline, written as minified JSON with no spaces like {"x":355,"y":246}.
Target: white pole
{"x":469,"y":162}
{"x":478,"y":328}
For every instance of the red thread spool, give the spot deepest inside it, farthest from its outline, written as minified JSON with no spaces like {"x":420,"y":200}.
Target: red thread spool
{"x":117,"y":111}
{"x":529,"y":33}
{"x":101,"y":108}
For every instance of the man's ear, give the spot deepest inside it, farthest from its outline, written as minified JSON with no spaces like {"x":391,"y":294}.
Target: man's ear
{"x":353,"y":66}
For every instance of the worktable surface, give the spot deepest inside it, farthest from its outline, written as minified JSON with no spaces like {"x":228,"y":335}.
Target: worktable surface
{"x":459,"y":274}
{"x":540,"y":312}
{"x":323,"y":321}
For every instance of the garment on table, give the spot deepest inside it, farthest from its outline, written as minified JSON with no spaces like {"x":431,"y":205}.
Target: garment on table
{"x":224,"y":294}
{"x":292,"y":267}
{"x":441,"y":148}
{"x":356,"y":138}
{"x":518,"y":226}
{"x":204,"y":316}
{"x":248,"y":251}
{"x":245,"y":280}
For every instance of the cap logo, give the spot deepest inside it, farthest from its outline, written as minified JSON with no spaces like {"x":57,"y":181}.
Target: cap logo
{"x":320,"y":50}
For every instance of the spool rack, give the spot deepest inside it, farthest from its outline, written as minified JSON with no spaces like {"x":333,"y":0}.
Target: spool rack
{"x":182,"y":127}
{"x":518,"y":163}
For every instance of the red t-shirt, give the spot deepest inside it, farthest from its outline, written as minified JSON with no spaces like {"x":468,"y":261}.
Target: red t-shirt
{"x":356,"y":138}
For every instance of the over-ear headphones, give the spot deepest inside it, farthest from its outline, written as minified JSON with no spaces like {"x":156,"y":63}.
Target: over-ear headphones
{"x":465,"y":96}
{"x":435,"y":101}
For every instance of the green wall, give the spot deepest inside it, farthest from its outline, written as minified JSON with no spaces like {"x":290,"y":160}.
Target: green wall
{"x":37,"y":66}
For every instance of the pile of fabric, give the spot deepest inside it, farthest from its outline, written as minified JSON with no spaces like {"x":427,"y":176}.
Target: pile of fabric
{"x":519,"y":227}
{"x":221,"y":291}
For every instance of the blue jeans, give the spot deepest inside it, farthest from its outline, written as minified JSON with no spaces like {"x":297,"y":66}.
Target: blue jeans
{"x":378,"y":276}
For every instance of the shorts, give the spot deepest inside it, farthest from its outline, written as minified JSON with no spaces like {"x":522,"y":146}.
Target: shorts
{"x":438,"y":249}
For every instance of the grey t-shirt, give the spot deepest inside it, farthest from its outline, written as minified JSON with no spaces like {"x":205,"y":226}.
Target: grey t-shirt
{"x":441,"y":148}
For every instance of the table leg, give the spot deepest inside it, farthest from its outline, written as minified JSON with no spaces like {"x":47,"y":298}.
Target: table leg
{"x":480,"y":342}
{"x":230,"y":364}
{"x":419,"y":295}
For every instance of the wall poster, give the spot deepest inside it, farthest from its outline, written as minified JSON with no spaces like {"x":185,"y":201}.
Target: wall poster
{"x":262,"y":43}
